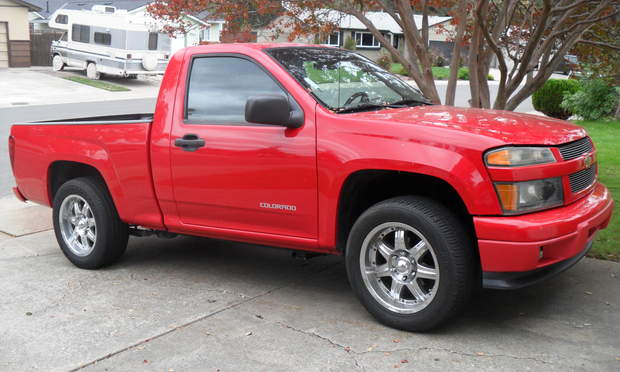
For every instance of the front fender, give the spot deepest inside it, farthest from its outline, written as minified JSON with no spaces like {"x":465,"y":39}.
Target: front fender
{"x":343,"y":151}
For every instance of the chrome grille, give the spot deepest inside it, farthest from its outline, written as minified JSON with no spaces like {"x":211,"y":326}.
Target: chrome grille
{"x":581,"y":180}
{"x":575,"y":149}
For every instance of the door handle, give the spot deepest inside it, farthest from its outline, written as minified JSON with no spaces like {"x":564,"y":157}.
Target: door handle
{"x":189,"y":142}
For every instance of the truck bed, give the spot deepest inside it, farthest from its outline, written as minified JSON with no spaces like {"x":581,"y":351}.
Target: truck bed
{"x":105,"y":119}
{"x":115,"y":146}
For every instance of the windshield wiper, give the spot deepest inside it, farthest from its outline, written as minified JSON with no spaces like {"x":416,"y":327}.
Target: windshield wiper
{"x":405,"y":102}
{"x":365,"y":106}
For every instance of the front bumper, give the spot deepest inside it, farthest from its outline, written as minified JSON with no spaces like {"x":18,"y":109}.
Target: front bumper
{"x":522,"y":246}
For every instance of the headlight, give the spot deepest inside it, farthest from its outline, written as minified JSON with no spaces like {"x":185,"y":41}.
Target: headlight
{"x":519,"y":156}
{"x":520,"y":197}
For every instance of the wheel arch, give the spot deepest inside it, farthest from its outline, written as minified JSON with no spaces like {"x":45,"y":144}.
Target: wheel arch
{"x":62,"y":171}
{"x":364,"y":188}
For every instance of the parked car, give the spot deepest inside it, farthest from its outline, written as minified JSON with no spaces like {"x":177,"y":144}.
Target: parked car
{"x":109,"y":41}
{"x":318,"y":149}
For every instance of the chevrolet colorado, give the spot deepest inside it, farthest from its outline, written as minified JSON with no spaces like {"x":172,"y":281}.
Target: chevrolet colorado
{"x":318,"y":149}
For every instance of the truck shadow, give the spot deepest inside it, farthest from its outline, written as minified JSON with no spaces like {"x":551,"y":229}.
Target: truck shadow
{"x":235,"y":266}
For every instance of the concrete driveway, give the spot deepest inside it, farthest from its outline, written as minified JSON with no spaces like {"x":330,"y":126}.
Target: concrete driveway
{"x":190,"y":304}
{"x":41,"y":86}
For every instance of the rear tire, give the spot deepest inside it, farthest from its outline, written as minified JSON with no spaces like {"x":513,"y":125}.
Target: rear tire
{"x":87,"y":226}
{"x":91,"y":71}
{"x":410,"y":262}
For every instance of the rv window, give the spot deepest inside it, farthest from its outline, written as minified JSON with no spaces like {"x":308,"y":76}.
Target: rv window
{"x":236,"y":79}
{"x":80,"y":33}
{"x":110,"y":9}
{"x":62,"y":19}
{"x":153,"y":40}
{"x":103,"y":38}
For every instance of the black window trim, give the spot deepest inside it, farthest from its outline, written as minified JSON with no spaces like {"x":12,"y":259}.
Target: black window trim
{"x":293,"y":102}
{"x":109,"y":35}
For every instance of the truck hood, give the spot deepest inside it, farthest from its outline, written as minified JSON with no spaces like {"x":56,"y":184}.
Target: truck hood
{"x":507,"y":126}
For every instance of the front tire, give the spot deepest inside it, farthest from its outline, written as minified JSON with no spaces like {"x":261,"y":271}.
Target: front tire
{"x":57,"y":63}
{"x":410,"y":262}
{"x":87,"y":226}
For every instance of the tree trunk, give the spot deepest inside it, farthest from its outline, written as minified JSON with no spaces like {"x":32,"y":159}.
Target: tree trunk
{"x":456,"y":54}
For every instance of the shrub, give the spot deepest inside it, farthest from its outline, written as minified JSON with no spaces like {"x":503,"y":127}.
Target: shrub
{"x":349,"y":43}
{"x":548,"y":98}
{"x":384,"y":61}
{"x":594,"y":100}
{"x":438,"y":60}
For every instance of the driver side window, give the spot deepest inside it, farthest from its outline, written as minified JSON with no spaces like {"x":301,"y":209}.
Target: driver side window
{"x":219,"y":88}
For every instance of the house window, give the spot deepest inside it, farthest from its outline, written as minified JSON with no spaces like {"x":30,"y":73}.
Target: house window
{"x":62,"y":19}
{"x":205,"y":35}
{"x":152,"y":40}
{"x":333,"y":39}
{"x":80,"y":33}
{"x":103,"y":38}
{"x":366,"y":40}
{"x":395,"y":39}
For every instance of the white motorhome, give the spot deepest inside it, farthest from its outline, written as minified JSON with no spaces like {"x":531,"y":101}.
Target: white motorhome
{"x":109,"y":41}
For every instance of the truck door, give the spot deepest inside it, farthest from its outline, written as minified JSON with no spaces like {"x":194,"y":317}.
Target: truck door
{"x":239,"y":175}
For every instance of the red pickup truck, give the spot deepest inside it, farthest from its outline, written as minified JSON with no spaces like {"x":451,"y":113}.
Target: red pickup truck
{"x":318,"y":149}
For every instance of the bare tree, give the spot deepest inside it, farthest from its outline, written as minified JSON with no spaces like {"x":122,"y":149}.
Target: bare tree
{"x":530,"y":38}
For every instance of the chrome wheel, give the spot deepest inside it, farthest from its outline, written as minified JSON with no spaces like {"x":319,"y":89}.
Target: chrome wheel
{"x":77,"y":225}
{"x":399,"y":267}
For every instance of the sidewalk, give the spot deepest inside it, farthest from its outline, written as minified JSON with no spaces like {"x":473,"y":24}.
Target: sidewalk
{"x":190,"y":304}
{"x":42,"y":86}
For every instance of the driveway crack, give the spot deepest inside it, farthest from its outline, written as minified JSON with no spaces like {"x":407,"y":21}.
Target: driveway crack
{"x":199,"y":319}
{"x":350,"y":350}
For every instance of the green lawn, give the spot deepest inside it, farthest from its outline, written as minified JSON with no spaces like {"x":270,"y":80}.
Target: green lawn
{"x":605,"y":135}
{"x":440,"y":73}
{"x":98,"y":84}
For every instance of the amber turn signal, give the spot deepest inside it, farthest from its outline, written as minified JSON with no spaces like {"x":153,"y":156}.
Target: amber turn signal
{"x":501,"y":157}
{"x":519,"y":156}
{"x":508,"y":194}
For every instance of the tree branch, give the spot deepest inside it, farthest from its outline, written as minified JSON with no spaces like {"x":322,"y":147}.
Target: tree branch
{"x":600,"y":44}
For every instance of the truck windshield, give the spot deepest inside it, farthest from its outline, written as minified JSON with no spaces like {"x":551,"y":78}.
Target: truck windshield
{"x":344,"y":81}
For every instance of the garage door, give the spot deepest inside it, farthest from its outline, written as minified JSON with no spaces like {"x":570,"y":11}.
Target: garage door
{"x":4,"y":45}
